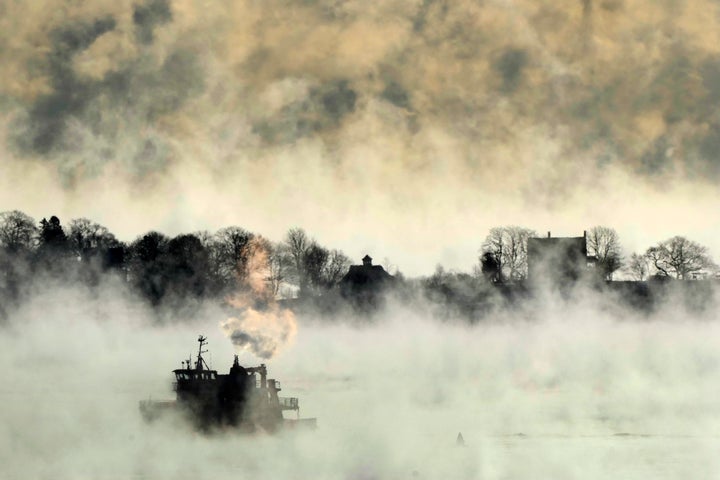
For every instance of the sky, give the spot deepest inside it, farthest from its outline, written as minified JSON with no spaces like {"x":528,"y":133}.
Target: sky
{"x":405,"y":129}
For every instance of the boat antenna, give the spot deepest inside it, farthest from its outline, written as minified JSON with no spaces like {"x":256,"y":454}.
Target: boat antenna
{"x":200,"y":361}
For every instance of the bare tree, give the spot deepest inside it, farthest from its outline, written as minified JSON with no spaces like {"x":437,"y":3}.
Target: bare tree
{"x":17,"y":238}
{"x":638,"y":267}
{"x":335,"y":268}
{"x":297,"y":243}
{"x":390,"y":267}
{"x":604,"y":244}
{"x":508,"y":246}
{"x":209,"y":243}
{"x":230,"y":253}
{"x":314,"y":262}
{"x":86,"y":236}
{"x":277,"y":267}
{"x":313,"y":267}
{"x":680,"y":258}
{"x":17,"y":230}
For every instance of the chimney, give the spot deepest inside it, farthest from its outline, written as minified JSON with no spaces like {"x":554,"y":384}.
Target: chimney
{"x":548,"y":234}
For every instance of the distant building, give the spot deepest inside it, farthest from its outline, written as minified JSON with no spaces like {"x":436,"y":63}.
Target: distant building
{"x":364,"y":283}
{"x":559,"y":260}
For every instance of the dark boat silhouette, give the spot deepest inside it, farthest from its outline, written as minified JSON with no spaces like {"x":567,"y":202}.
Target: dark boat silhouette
{"x":244,"y":398}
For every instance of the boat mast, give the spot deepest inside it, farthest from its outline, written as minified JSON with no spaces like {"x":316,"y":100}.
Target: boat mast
{"x":200,"y":360}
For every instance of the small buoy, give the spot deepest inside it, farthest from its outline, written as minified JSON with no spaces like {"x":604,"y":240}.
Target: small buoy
{"x":460,"y":440}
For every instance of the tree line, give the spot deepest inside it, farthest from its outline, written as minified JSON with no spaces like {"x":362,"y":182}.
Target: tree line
{"x":504,"y":256}
{"x":499,"y":279}
{"x":163,"y":270}
{"x":183,"y":270}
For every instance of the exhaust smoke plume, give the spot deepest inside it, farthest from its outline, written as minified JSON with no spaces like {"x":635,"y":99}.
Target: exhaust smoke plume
{"x":262,"y":326}
{"x":262,"y":333}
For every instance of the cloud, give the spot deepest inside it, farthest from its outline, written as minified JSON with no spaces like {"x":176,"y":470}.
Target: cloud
{"x":47,"y":116}
{"x":147,"y":16}
{"x":421,"y":109}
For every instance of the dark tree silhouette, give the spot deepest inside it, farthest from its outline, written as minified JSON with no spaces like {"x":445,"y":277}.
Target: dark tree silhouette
{"x":314,"y":268}
{"x":17,"y":238}
{"x":277,"y":267}
{"x":95,"y":247}
{"x":186,"y":268}
{"x":17,"y":231}
{"x":604,"y":244}
{"x":52,"y":233}
{"x":314,"y":261}
{"x":145,"y":268}
{"x":490,"y":267}
{"x":53,"y":252}
{"x":87,"y":238}
{"x":230,"y":252}
{"x":335,"y":268}
{"x":171,"y":272}
{"x":297,"y":243}
{"x":508,"y":245}
{"x":680,"y":258}
{"x":149,"y":247}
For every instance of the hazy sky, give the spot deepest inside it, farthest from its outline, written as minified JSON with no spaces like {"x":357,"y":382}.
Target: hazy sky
{"x":402,"y":128}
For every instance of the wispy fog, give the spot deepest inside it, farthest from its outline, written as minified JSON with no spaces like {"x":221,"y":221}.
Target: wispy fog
{"x":561,"y":390}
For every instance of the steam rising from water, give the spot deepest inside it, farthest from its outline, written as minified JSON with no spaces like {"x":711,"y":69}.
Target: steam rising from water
{"x":530,"y":397}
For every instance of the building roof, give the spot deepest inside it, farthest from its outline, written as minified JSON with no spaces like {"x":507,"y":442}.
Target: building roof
{"x":365,"y":277}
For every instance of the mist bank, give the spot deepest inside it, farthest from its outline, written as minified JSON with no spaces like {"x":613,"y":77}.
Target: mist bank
{"x":528,"y":393}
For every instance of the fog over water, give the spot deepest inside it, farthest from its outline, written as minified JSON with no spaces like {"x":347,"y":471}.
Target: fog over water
{"x":556,"y":391}
{"x":403,"y":129}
